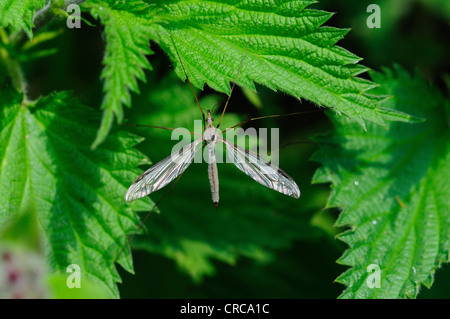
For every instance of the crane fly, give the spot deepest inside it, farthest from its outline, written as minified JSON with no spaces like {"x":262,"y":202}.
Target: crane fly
{"x":173,"y":166}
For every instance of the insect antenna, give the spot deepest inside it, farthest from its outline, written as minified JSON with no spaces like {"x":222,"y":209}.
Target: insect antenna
{"x":212,"y":109}
{"x":272,"y":116}
{"x":187,"y":78}
{"x":161,"y":127}
{"x":234,"y":82}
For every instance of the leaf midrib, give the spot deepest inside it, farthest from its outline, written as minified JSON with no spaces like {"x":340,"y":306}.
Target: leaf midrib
{"x":13,"y":123}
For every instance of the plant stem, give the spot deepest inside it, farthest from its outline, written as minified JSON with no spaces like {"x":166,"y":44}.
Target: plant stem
{"x":41,"y":18}
{"x":18,"y":80}
{"x":12,"y":66}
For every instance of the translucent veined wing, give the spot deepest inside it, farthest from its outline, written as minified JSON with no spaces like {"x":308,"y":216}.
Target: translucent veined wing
{"x":162,"y":173}
{"x":261,"y":170}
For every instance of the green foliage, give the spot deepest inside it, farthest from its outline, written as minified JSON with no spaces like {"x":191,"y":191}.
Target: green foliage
{"x":18,"y":14}
{"x":78,"y":194}
{"x":290,"y":51}
{"x":251,"y":221}
{"x":22,"y":231}
{"x":388,"y":169}
{"x":392,"y":184}
{"x":127,"y":35}
{"x":57,"y":286}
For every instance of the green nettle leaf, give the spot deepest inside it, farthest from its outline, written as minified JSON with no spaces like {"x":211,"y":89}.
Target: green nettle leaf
{"x":392,"y":184}
{"x":127,"y":34}
{"x":290,"y":51}
{"x":78,"y":194}
{"x":18,"y":14}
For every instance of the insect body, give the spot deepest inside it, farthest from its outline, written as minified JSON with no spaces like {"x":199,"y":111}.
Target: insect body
{"x":210,"y":136}
{"x":251,"y":164}
{"x":163,"y":172}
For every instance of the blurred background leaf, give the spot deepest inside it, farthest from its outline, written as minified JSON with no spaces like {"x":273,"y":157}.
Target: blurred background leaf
{"x":22,"y":261}
{"x":24,"y":272}
{"x":58,"y":289}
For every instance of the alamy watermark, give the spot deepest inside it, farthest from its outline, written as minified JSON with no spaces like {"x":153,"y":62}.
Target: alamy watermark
{"x":74,"y":279}
{"x":374,"y":278}
{"x":374,"y":19}
{"x":242,"y":145}
{"x":74,"y":16}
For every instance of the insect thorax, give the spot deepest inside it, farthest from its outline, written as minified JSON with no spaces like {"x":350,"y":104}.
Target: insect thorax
{"x":211,"y":133}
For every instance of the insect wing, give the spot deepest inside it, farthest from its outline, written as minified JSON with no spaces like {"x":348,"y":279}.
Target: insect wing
{"x":162,"y":173}
{"x":261,"y":170}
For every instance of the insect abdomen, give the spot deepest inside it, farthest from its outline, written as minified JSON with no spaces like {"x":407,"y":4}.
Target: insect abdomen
{"x":213,"y":176}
